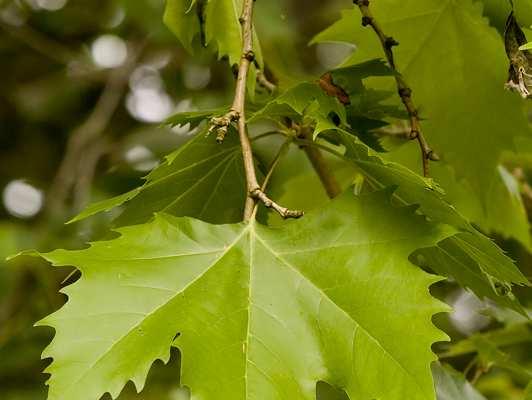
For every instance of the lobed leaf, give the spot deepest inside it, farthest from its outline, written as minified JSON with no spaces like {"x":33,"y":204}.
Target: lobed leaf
{"x":470,"y":257}
{"x":258,"y":313}
{"x":471,"y":119}
{"x":197,"y":179}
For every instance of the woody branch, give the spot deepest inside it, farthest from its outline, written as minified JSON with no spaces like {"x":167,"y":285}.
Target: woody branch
{"x":237,"y":114}
{"x":404,"y":91}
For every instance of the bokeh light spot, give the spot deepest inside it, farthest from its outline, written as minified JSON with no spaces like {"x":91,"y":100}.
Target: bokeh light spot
{"x":109,"y":51}
{"x":21,"y":199}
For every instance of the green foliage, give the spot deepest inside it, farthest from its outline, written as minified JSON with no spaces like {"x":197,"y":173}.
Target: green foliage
{"x":213,"y":21}
{"x":490,"y":349}
{"x":201,"y":23}
{"x":193,"y":180}
{"x":452,"y":37}
{"x":497,"y":12}
{"x":469,"y":257}
{"x":489,"y":273}
{"x":340,"y":304}
{"x":451,"y":385}
{"x":279,"y":308}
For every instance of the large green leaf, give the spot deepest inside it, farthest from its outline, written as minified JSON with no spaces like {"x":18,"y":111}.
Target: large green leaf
{"x":197,"y":179}
{"x":504,"y":214}
{"x":471,"y":258}
{"x":470,"y":119}
{"x":258,"y":313}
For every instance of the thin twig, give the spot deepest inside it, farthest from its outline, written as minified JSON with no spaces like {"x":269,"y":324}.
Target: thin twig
{"x":265,"y":135}
{"x":264,"y":82}
{"x":237,"y":114}
{"x":86,"y":133}
{"x":86,"y":171}
{"x":39,"y":42}
{"x":282,"y":151}
{"x":403,"y":89}
{"x":311,"y":143}
{"x":315,"y":156}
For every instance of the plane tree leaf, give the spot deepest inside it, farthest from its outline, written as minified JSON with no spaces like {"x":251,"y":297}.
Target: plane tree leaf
{"x":471,"y":119}
{"x":489,"y":203}
{"x":256,"y":312}
{"x":470,"y":257}
{"x":338,"y":98}
{"x":504,"y":214}
{"x":197,"y":179}
{"x":305,"y":100}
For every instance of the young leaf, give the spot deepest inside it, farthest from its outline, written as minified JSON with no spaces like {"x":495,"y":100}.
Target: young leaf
{"x":305,"y":100}
{"x":183,"y":19}
{"x":256,"y":312}
{"x":212,"y":21}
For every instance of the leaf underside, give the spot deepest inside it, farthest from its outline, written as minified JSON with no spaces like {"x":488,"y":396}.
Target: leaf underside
{"x":257,"y":312}
{"x":474,"y":260}
{"x":197,"y":179}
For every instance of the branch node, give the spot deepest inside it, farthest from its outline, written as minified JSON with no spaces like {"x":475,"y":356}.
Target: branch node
{"x":264,"y":82}
{"x":284,"y":212}
{"x":249,"y":55}
{"x":221,"y":124}
{"x":405,"y":92}
{"x":390,"y":42}
{"x":432,"y":156}
{"x":366,"y":20}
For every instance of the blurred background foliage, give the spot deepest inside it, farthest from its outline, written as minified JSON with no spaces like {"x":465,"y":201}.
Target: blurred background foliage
{"x":109,"y":72}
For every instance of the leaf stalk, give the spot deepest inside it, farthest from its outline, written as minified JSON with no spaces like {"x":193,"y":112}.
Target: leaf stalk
{"x":237,"y":114}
